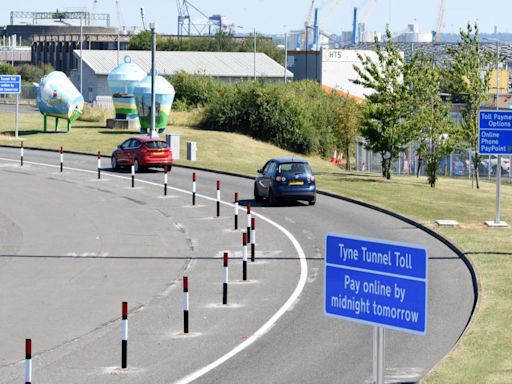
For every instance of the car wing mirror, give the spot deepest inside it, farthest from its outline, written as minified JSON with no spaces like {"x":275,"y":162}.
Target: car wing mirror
{"x":260,"y":171}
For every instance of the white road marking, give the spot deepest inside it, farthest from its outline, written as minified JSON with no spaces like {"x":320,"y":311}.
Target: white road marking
{"x":292,"y":300}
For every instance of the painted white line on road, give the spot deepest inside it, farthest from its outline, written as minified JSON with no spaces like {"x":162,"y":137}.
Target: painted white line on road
{"x":270,"y":322}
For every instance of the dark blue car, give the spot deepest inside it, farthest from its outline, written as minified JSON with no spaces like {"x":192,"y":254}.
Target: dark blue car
{"x":285,"y":179}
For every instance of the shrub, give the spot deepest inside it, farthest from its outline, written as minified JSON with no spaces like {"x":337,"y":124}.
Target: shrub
{"x":293,"y":116}
{"x":96,"y":114}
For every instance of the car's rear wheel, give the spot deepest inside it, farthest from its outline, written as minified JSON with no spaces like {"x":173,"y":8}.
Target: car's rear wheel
{"x":271,"y":198}
{"x":312,"y":202}
{"x":257,"y":196}
{"x":114,"y":163}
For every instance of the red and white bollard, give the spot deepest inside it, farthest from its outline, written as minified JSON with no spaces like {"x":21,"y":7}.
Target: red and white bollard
{"x":124,"y":336}
{"x":236,"y":211}
{"x":253,"y":239}
{"x":226,"y":279}
{"x":61,"y":159}
{"x":21,"y":153}
{"x":194,"y":188}
{"x":218,"y":198}
{"x":186,"y":304}
{"x":133,"y":173}
{"x":249,"y":222}
{"x":165,"y":180}
{"x":99,"y":165}
{"x":244,"y":256}
{"x":28,"y":361}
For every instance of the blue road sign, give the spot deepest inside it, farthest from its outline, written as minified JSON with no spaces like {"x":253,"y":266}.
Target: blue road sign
{"x":495,"y":132}
{"x":377,"y":283}
{"x":10,"y":83}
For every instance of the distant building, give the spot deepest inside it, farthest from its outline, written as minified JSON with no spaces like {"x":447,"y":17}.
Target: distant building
{"x":225,"y":66}
{"x":413,"y":35}
{"x":332,"y":68}
{"x":57,"y":49}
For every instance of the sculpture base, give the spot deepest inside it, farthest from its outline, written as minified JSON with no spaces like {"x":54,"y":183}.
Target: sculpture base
{"x":123,"y":124}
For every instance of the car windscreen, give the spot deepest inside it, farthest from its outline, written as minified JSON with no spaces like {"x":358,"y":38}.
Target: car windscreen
{"x":294,"y":168}
{"x":156,"y":144}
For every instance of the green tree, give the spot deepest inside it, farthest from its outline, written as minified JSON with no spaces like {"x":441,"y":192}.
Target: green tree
{"x":347,"y":115}
{"x":220,"y":42}
{"x":468,"y":77}
{"x":385,"y":118}
{"x":7,"y":69}
{"x":31,"y":73}
{"x":430,"y":115}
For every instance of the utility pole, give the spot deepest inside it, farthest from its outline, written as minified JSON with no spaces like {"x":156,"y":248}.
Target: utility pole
{"x":285,"y":56}
{"x":81,"y":55}
{"x":152,"y":26}
{"x":254,"y":53}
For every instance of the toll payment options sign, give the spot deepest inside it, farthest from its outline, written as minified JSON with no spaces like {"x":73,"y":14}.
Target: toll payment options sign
{"x":495,"y":132}
{"x":376,"y":283}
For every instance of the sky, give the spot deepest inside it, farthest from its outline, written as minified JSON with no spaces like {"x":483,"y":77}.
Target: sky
{"x":276,"y":16}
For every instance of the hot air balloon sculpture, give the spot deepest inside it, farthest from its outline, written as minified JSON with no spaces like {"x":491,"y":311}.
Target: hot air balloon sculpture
{"x":122,"y":80}
{"x":164,"y":96}
{"x":58,"y":97}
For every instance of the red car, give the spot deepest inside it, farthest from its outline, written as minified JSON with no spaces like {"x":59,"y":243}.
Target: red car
{"x":144,"y":152}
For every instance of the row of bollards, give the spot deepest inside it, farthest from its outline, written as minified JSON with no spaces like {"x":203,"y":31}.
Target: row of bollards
{"x":248,"y":238}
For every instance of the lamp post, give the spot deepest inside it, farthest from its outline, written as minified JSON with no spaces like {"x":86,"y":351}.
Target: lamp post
{"x":254,"y":54}
{"x":498,"y":165}
{"x":152,"y":26}
{"x":81,"y":56}
{"x":285,"y":56}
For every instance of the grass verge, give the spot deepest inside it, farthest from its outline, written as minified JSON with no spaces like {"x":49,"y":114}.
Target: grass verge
{"x":483,"y":354}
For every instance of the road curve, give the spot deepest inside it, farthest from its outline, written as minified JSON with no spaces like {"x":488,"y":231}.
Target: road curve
{"x":303,"y":346}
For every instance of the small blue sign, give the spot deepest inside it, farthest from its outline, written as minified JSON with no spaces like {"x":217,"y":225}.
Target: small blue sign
{"x":377,"y":283}
{"x":495,"y":132}
{"x":10,"y":83}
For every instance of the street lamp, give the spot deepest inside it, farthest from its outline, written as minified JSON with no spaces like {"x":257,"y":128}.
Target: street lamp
{"x":152,"y":26}
{"x":81,"y":56}
{"x":254,"y":54}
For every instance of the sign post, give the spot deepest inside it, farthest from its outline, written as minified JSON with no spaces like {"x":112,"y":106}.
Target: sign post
{"x":378,"y":283}
{"x":495,"y":138}
{"x":12,"y":84}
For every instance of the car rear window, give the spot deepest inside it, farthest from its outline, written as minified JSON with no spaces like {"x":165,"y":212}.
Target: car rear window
{"x":294,"y":168}
{"x":156,"y":144}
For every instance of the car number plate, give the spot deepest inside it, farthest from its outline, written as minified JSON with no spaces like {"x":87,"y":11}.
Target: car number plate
{"x":158,"y":153}
{"x":296,"y":182}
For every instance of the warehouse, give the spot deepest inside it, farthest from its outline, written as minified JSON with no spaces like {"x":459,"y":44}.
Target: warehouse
{"x":225,"y":66}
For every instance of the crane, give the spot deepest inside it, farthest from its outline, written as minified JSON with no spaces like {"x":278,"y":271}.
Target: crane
{"x":440,"y":23}
{"x":94,"y":5}
{"x":368,"y":11}
{"x":120,"y":19}
{"x":142,"y":18}
{"x":330,"y":12}
{"x":307,"y":23}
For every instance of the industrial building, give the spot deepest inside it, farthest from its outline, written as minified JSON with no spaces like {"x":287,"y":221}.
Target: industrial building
{"x":55,"y":35}
{"x":57,"y":49}
{"x":332,"y":68}
{"x":225,"y":66}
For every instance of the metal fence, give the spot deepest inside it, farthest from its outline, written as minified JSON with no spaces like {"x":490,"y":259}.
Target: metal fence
{"x":459,"y":164}
{"x":28,"y":92}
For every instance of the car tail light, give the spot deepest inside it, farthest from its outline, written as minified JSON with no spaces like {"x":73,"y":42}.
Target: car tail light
{"x":280,"y":179}
{"x":311,"y":179}
{"x":143,"y":149}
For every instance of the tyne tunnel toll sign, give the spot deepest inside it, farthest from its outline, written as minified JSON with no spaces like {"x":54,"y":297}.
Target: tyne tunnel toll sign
{"x":10,"y":84}
{"x":495,"y":132}
{"x":376,"y":283}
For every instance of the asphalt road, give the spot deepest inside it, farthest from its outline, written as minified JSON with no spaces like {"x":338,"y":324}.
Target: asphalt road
{"x":73,"y":247}
{"x":23,"y":108}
